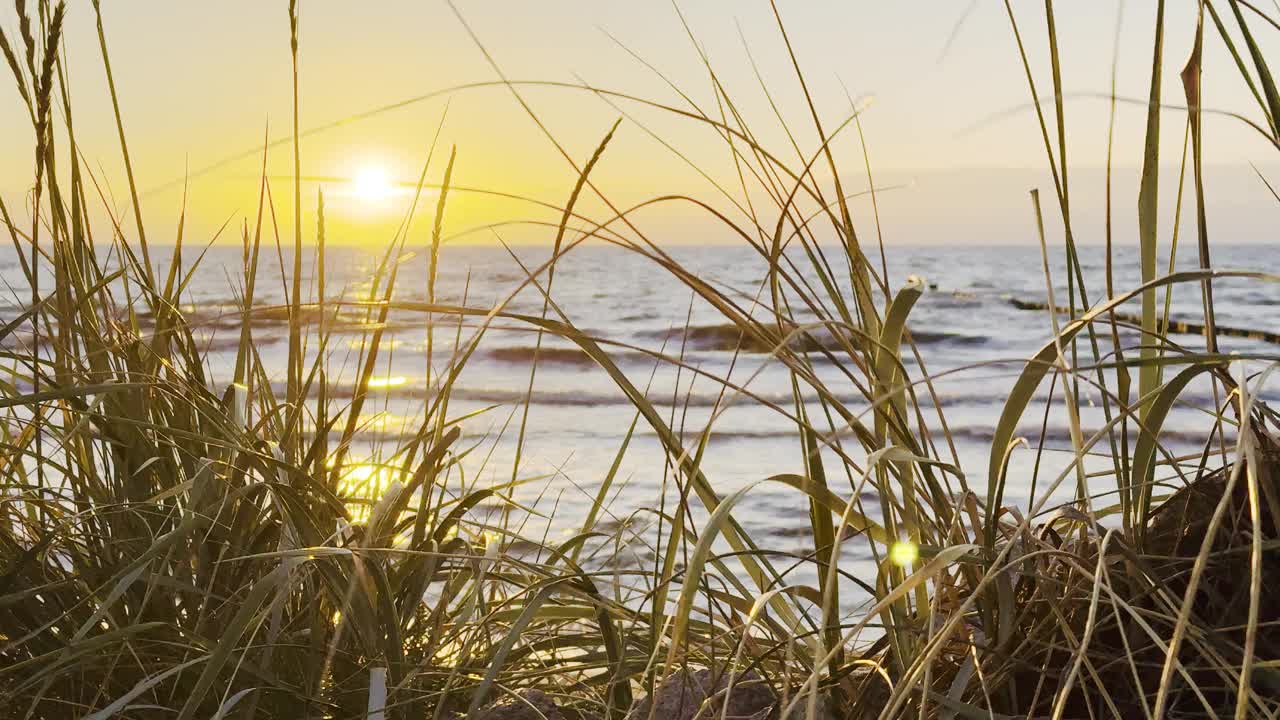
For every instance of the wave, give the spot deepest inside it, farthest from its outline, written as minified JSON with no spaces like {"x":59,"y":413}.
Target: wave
{"x":935,"y":337}
{"x":1057,"y":437}
{"x":229,"y":341}
{"x":405,"y":388}
{"x":955,"y":398}
{"x":729,"y":337}
{"x":541,"y":397}
{"x":1061,"y":436}
{"x":548,"y":355}
{"x":220,"y":315}
{"x":1054,"y":438}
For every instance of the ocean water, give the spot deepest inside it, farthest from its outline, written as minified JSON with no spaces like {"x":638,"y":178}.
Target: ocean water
{"x":972,"y":338}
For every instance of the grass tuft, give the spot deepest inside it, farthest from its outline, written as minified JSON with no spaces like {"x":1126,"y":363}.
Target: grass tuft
{"x":172,"y":548}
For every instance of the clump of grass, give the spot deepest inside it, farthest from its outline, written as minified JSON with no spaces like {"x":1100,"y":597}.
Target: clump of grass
{"x":172,"y":548}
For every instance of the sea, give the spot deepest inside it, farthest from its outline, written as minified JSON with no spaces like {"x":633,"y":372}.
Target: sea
{"x":980,"y":318}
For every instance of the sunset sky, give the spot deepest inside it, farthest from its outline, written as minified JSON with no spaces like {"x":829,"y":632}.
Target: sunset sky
{"x":948,"y":117}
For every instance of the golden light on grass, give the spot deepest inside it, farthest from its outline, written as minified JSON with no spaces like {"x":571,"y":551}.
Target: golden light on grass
{"x":904,"y":553}
{"x":360,"y":486}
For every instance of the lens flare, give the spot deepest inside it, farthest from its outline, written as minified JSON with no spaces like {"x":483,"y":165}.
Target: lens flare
{"x":904,"y":553}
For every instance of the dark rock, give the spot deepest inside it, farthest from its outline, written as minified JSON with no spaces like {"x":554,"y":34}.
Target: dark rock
{"x":527,"y":705}
{"x":825,"y":710}
{"x":684,"y":695}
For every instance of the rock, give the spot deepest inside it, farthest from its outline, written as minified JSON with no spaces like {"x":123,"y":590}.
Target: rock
{"x":801,"y":711}
{"x":681,"y":696}
{"x":529,"y":705}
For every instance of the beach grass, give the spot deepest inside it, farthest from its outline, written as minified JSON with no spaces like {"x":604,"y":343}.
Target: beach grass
{"x":170,"y":548}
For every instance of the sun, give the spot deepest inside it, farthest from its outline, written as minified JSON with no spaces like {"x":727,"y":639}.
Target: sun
{"x":372,"y":185}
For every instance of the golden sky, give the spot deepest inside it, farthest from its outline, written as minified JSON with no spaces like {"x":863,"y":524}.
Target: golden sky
{"x":948,"y":117}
